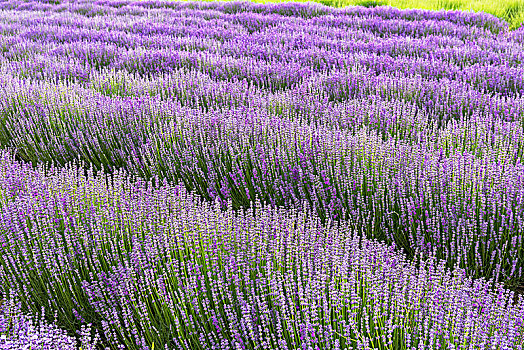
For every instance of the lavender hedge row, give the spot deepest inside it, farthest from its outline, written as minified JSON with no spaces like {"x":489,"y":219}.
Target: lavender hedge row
{"x":415,"y":194}
{"x":148,"y":264}
{"x":242,"y":153}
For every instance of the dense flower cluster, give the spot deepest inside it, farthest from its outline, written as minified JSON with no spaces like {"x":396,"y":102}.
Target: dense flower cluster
{"x":518,"y":35}
{"x":152,"y":264}
{"x":20,"y":331}
{"x":401,"y":126}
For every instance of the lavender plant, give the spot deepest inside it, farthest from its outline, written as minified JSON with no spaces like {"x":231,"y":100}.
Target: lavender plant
{"x":153,"y":264}
{"x":20,"y":331}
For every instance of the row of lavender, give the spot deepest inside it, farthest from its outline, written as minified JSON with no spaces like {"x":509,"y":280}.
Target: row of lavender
{"x":411,"y":127}
{"x":465,"y":205}
{"x":151,"y":265}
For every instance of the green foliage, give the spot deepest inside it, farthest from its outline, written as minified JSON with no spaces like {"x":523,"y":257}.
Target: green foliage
{"x":451,"y":4}
{"x":370,"y":3}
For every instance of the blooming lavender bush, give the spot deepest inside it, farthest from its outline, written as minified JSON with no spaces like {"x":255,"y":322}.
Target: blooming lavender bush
{"x":153,"y":264}
{"x":20,"y":331}
{"x":518,"y":35}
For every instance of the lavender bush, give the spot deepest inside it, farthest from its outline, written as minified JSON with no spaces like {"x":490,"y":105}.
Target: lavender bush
{"x":20,"y":331}
{"x":152,"y":264}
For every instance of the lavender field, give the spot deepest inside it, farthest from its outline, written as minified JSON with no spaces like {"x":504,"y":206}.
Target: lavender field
{"x":208,"y":175}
